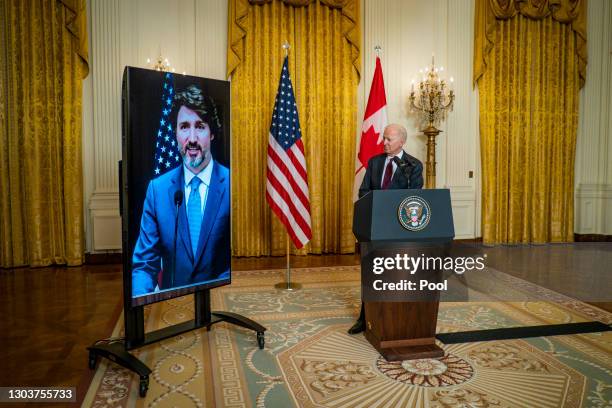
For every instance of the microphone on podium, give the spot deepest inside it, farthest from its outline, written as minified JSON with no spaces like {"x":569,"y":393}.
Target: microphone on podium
{"x":403,"y":165}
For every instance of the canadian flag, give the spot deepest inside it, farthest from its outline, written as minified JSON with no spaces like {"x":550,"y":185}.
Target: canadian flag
{"x":374,"y":122}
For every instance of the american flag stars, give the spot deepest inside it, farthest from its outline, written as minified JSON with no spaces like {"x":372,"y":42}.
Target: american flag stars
{"x":166,"y":154}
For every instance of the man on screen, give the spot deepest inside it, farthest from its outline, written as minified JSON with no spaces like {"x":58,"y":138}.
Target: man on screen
{"x":200,"y":190}
{"x":384,"y":173}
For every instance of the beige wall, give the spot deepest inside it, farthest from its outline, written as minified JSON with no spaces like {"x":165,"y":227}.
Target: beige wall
{"x":594,"y":143}
{"x":409,"y":31}
{"x":192,"y":35}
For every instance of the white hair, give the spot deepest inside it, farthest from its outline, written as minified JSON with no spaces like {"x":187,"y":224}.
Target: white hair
{"x":399,"y":128}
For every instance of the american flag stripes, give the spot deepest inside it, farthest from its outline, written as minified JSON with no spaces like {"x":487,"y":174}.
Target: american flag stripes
{"x":287,"y":179}
{"x":167,"y":154}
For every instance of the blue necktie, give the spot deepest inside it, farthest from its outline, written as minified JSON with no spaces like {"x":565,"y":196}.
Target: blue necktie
{"x":194,"y":213}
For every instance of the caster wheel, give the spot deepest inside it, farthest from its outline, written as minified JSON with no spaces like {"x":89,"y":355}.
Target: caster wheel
{"x":260,"y":340}
{"x":93,"y":359}
{"x":143,"y":387}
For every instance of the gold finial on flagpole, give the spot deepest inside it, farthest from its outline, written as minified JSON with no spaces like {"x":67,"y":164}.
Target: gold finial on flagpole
{"x":286,"y":47}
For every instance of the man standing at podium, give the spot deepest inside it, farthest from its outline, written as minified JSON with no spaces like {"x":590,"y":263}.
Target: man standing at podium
{"x":391,"y":170}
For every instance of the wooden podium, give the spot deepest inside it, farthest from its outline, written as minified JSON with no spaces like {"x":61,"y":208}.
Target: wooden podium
{"x":402,"y":327}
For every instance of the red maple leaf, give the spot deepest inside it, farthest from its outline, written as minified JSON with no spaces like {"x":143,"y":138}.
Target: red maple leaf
{"x":369,"y":146}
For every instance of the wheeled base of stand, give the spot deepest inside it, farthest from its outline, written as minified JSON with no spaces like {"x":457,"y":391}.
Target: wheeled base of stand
{"x":241,"y":321}
{"x":116,"y":351}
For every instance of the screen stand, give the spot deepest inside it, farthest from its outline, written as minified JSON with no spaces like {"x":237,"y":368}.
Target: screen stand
{"x":117,"y":350}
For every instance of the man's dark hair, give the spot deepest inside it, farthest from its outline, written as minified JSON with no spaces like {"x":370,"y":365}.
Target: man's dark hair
{"x":193,"y":98}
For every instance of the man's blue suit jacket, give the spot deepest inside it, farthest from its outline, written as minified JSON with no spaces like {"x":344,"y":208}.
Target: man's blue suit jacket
{"x":156,"y":240}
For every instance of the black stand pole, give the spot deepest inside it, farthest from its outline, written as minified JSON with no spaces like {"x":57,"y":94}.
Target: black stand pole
{"x":117,"y":350}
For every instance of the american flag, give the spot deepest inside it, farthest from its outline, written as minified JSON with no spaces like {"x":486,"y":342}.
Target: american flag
{"x":287,"y":180}
{"x":167,"y":155}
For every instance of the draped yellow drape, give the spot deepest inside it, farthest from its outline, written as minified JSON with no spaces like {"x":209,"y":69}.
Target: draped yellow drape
{"x":528,"y":122}
{"x":489,"y":13}
{"x":322,"y":62}
{"x":44,"y":53}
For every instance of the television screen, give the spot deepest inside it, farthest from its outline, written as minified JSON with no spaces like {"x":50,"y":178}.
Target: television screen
{"x":175,"y":184}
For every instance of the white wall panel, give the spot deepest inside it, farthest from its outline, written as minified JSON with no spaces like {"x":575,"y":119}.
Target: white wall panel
{"x":211,"y":38}
{"x":104,"y":136}
{"x":410,"y":32}
{"x":87,"y":145}
{"x":463,"y":217}
{"x":593,"y":181}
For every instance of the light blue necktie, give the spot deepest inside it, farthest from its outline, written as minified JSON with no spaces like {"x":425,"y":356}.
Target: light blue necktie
{"x":194,"y":213}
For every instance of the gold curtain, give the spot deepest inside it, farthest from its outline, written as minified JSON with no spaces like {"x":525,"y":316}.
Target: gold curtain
{"x":44,"y":52}
{"x":489,"y":14}
{"x":323,"y":62}
{"x":528,"y":122}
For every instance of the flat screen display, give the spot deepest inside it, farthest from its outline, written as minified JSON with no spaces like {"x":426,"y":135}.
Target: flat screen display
{"x":176,"y":191}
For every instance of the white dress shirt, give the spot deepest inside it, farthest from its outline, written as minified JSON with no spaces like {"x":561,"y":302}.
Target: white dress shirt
{"x":394,"y":166}
{"x":204,"y":176}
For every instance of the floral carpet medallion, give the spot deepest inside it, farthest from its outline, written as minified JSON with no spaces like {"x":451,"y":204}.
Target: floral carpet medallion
{"x":310,"y":361}
{"x":334,"y":369}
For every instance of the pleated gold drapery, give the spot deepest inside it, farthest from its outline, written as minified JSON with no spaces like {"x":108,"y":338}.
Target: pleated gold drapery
{"x":489,"y":14}
{"x":528,"y":85}
{"x":44,"y":53}
{"x":323,"y":61}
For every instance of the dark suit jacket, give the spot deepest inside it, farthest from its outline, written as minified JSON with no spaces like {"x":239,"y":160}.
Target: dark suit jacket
{"x":374,"y":174}
{"x":156,"y":240}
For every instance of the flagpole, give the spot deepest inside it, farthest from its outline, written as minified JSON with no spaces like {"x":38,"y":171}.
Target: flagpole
{"x":288,"y":285}
{"x":288,"y":262}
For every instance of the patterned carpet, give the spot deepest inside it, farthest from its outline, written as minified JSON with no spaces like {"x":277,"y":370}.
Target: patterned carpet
{"x":310,"y":361}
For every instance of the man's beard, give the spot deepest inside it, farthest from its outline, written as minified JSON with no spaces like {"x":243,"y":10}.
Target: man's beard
{"x":195,"y":162}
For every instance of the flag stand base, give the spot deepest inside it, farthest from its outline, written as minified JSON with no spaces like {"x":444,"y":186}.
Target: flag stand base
{"x":290,"y":286}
